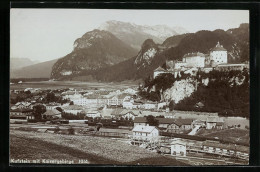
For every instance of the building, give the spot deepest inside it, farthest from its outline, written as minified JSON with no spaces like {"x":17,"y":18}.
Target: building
{"x":116,"y":113}
{"x":74,"y":109}
{"x":71,"y":95}
{"x":180,"y":126}
{"x":214,"y":122}
{"x":230,"y":150}
{"x":128,"y":104}
{"x":165,"y":122}
{"x":125,"y":113}
{"x":93,"y":114}
{"x":194,"y":60}
{"x":150,"y":105}
{"x":20,"y":113}
{"x":179,"y":64}
{"x":52,"y":106}
{"x":138,"y":105}
{"x":130,"y":91}
{"x":51,"y":114}
{"x":22,"y":105}
{"x":178,"y":147}
{"x":158,"y":71}
{"x":228,"y":67}
{"x":129,"y":115}
{"x":218,"y":54}
{"x":198,"y":123}
{"x":140,"y":121}
{"x":146,"y":133}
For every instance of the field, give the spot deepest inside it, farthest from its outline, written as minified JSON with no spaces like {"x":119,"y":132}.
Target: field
{"x":94,"y":150}
{"x":73,"y":84}
{"x":232,"y":135}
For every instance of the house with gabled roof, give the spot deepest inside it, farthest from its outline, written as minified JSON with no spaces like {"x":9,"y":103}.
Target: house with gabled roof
{"x":165,"y":122}
{"x":116,"y":113}
{"x":140,"y":121}
{"x":51,"y":114}
{"x":147,"y":133}
{"x":180,"y":125}
{"x":178,"y":147}
{"x":93,"y":114}
{"x":211,"y":122}
{"x":20,"y":113}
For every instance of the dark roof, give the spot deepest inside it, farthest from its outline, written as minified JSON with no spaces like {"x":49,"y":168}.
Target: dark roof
{"x":218,"y":48}
{"x":185,"y":121}
{"x":159,"y":69}
{"x":52,"y":112}
{"x":219,"y":123}
{"x":21,"y":110}
{"x":140,"y":120}
{"x":17,"y":116}
{"x":165,"y":120}
{"x":194,"y":55}
{"x":117,"y":112}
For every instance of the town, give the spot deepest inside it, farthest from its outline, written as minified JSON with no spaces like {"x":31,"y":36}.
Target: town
{"x":124,"y":114}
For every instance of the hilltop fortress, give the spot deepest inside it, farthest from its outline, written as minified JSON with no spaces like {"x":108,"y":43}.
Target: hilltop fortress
{"x":192,"y":62}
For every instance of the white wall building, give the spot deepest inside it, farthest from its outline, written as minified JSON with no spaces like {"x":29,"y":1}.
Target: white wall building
{"x":194,"y":60}
{"x":179,"y":64}
{"x":93,"y":114}
{"x":218,"y":54}
{"x":150,"y":105}
{"x":128,"y":104}
{"x":141,"y":132}
{"x":178,"y":147}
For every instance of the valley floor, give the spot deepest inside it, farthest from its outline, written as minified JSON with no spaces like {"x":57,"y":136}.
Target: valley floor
{"x":81,"y":149}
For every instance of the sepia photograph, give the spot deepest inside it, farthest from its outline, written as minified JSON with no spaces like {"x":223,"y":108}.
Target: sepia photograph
{"x":129,"y":87}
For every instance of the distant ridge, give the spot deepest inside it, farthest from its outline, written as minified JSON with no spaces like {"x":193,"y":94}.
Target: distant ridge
{"x":135,"y":35}
{"x":39,"y":70}
{"x":18,"y":63}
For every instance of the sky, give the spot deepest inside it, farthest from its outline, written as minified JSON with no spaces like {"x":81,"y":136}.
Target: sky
{"x":47,"y":34}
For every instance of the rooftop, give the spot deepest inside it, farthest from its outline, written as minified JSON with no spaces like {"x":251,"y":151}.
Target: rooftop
{"x":159,"y":69}
{"x":140,"y":120}
{"x":218,"y":48}
{"x":143,"y":129}
{"x":52,"y":112}
{"x":193,"y":55}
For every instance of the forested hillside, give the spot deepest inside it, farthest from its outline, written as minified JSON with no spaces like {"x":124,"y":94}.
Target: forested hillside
{"x":225,"y":92}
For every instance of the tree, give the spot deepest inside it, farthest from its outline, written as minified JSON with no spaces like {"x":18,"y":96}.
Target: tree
{"x":161,"y":116}
{"x":171,"y":105}
{"x":71,"y":103}
{"x":152,"y":121}
{"x":59,"y":109}
{"x":28,"y":92}
{"x":38,"y":110}
{"x":50,"y":97}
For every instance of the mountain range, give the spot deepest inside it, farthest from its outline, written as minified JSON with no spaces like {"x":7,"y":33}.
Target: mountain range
{"x":39,"y":70}
{"x":135,"y":35}
{"x":153,"y":55}
{"x":94,"y":50}
{"x":110,"y":52}
{"x":17,"y":63}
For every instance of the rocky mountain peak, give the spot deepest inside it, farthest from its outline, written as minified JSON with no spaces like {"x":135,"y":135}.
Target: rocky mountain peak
{"x":135,"y":35}
{"x":91,"y":38}
{"x":146,"y":54}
